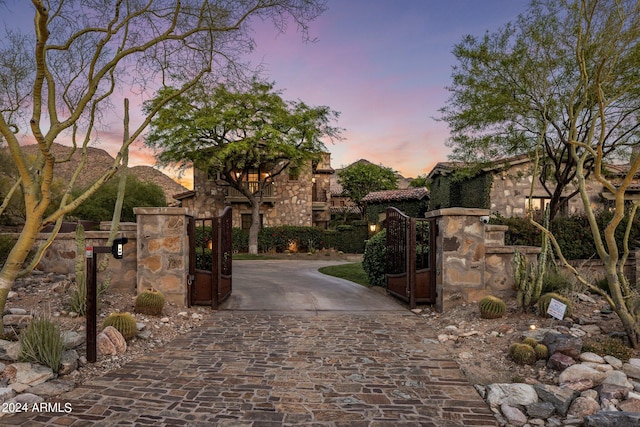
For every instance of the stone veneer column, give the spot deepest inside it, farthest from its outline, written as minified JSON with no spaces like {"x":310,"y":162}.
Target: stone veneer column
{"x":163,"y":251}
{"x":460,"y":251}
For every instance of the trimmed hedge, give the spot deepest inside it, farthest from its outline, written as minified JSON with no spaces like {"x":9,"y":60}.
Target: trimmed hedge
{"x":572,"y":233}
{"x":374,"y":260}
{"x":346,"y":238}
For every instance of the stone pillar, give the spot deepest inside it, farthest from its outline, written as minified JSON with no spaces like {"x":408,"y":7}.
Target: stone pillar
{"x":460,"y":252}
{"x":163,"y":251}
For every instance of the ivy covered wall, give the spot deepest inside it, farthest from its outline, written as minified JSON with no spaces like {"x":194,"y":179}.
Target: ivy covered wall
{"x":450,"y":191}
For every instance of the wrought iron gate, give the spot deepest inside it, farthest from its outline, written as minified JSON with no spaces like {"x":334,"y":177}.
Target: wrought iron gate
{"x":411,"y":258}
{"x":210,"y":259}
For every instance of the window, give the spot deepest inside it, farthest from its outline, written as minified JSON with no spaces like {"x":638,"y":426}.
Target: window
{"x":246,"y":221}
{"x":539,"y":204}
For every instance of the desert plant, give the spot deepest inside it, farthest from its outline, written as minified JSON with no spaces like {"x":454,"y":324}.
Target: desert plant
{"x":491,"y":307}
{"x":125,"y":323}
{"x":522,"y":354}
{"x":542,"y":352}
{"x":609,"y":346}
{"x":79,"y":294}
{"x":530,"y":341}
{"x":545,"y":300}
{"x":42,"y":343}
{"x":150,"y":301}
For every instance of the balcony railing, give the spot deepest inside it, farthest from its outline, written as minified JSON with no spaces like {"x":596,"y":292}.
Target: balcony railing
{"x":234,"y":195}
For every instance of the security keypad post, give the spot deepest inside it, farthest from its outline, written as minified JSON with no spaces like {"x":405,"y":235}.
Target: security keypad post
{"x":117,"y":251}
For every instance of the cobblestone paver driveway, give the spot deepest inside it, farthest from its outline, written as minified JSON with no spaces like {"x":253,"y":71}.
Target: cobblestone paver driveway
{"x":248,"y":368}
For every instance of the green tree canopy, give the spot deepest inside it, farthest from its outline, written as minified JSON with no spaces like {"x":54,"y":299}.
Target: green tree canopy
{"x":232,"y":130}
{"x":99,"y":207}
{"x":513,"y":91}
{"x":362,"y":178}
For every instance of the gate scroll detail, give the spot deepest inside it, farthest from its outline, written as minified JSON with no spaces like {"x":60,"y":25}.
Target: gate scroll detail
{"x":210,"y":260}
{"x":410,"y":262}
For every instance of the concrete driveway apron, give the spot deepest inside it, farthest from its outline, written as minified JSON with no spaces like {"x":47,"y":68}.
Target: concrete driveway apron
{"x":291,"y":347}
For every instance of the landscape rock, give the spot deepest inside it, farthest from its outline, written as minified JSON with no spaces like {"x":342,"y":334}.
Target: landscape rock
{"x":613,"y":361}
{"x":514,"y":416}
{"x":559,"y":397}
{"x":612,"y":419}
{"x":630,"y":405}
{"x":580,"y":373}
{"x":590,"y":358}
{"x":16,"y":320}
{"x":560,"y":362}
{"x":72,"y":339}
{"x":30,"y":374}
{"x":68,"y":362}
{"x":116,"y":338}
{"x":52,"y":388}
{"x":104,"y":345}
{"x":618,"y":378}
{"x":511,"y":394}
{"x":611,"y":392}
{"x":583,"y":406}
{"x":563,"y":343}
{"x":10,"y":350}
{"x":6,"y":393}
{"x":632,"y":370}
{"x":541,"y":410}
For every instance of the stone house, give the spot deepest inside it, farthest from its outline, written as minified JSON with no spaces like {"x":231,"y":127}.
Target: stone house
{"x":504,"y":187}
{"x":301,"y":199}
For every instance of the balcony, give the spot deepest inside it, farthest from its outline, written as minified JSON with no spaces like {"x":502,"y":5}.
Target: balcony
{"x":235,"y":196}
{"x":320,"y":199}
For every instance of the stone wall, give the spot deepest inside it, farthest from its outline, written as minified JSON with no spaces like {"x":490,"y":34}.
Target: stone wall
{"x":163,"y":251}
{"x":60,"y":257}
{"x":471,"y":259}
{"x":511,"y":188}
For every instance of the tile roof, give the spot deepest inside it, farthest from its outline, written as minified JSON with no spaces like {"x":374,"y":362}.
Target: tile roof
{"x":395,"y":195}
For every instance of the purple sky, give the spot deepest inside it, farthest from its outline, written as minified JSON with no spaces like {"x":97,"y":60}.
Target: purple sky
{"x":383,"y":64}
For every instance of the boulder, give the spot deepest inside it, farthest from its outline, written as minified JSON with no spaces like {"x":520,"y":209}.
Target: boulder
{"x":541,"y":410}
{"x":563,"y":343}
{"x":52,"y":388}
{"x":591,"y":358}
{"x":613,"y":361}
{"x":514,"y":416}
{"x":116,"y":338}
{"x":72,"y":339}
{"x":510,"y":394}
{"x":630,"y":405}
{"x":104,"y":345}
{"x":68,"y":362}
{"x":10,"y":350}
{"x":581,"y":374}
{"x":611,"y":392}
{"x":560,"y":397}
{"x":31,"y":374}
{"x":632,"y":370}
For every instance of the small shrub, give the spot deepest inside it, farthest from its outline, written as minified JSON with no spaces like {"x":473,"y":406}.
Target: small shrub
{"x":149,"y":302}
{"x":554,"y":281}
{"x":374,"y":260}
{"x":42,"y":343}
{"x":608,"y":347}
{"x":125,"y":323}
{"x":491,"y":307}
{"x":545,"y":300}
{"x":603,"y":284}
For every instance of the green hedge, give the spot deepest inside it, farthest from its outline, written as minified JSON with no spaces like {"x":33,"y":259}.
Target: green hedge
{"x":345,"y":238}
{"x":452,"y":191}
{"x":412,"y":208}
{"x":572,"y":233}
{"x":374,"y":261}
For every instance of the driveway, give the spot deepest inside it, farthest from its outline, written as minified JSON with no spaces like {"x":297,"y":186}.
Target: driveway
{"x":292,"y":285}
{"x":290,"y":348}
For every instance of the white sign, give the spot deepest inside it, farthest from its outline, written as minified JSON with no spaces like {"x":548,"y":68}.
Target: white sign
{"x":556,"y":309}
{"x":88,"y":251}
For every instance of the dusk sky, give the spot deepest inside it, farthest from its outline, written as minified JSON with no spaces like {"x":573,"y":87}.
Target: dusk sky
{"x":383,"y":64}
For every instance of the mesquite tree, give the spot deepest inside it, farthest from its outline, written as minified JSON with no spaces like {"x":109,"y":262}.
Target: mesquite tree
{"x":60,"y":76}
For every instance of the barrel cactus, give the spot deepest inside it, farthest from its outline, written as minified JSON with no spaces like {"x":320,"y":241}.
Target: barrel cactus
{"x":491,"y":307}
{"x":530,"y":341}
{"x":522,"y":354}
{"x":542,"y":352}
{"x":125,"y":323}
{"x":150,"y":302}
{"x":545,"y":300}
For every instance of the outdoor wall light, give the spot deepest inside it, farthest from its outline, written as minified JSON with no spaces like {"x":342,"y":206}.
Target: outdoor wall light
{"x":373,"y":227}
